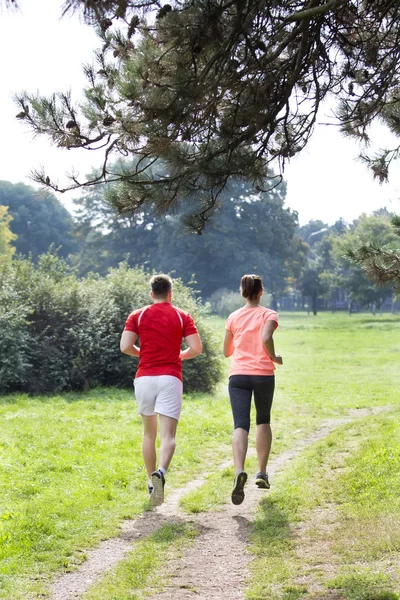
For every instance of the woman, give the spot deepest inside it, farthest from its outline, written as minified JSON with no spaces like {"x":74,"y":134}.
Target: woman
{"x":248,"y":337}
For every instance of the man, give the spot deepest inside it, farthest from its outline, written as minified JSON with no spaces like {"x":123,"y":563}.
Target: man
{"x":161,"y":327}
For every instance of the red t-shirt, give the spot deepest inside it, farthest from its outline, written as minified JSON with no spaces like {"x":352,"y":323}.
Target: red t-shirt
{"x":161,"y":328}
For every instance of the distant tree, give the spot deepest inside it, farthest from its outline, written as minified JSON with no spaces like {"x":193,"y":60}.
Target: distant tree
{"x":359,"y":287}
{"x":105,"y":238}
{"x":329,"y":272}
{"x":38,"y":219}
{"x":379,"y":261}
{"x":6,"y":235}
{"x":219,"y":90}
{"x":339,"y":227}
{"x":251,"y":232}
{"x":311,"y":232}
{"x":312,"y":286}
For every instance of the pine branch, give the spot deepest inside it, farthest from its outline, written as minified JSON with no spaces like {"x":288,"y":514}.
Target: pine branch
{"x":220,"y":91}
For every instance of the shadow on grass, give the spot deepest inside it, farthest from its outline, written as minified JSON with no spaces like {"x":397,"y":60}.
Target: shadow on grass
{"x":151,"y":522}
{"x":271,"y":533}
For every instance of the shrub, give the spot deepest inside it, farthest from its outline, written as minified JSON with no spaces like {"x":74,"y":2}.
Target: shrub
{"x":58,"y":332}
{"x":223,"y":302}
{"x":14,"y":340}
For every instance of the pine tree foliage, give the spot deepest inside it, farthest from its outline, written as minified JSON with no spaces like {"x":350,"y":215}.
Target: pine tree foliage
{"x":220,"y":89}
{"x":379,"y":263}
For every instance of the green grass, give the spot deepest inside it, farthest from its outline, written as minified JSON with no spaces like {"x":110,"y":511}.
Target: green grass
{"x":71,"y":467}
{"x":355,"y":474}
{"x":71,"y":470}
{"x":141,"y":568}
{"x":320,"y":379}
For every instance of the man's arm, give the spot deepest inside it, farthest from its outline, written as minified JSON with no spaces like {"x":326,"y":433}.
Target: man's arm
{"x":268,"y":342}
{"x":127,"y":343}
{"x":195,"y":347}
{"x":228,"y":343}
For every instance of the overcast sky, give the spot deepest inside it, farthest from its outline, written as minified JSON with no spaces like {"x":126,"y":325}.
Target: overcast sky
{"x":41,"y":51}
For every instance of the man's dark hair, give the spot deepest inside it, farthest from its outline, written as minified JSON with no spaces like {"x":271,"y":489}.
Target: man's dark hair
{"x":161,"y":285}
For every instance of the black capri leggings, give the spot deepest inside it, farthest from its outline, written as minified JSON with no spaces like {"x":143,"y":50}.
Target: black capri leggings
{"x":241,"y":388}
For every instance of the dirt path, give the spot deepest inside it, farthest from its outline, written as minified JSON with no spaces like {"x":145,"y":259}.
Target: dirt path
{"x":216,"y":566}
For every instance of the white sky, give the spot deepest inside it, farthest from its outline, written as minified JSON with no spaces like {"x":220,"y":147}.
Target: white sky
{"x":41,"y":51}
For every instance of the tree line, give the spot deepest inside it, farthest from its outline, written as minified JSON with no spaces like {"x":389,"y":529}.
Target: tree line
{"x":251,"y":231}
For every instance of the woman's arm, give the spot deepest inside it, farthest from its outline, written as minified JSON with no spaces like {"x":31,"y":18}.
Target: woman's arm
{"x":228,"y":343}
{"x":268,"y":341}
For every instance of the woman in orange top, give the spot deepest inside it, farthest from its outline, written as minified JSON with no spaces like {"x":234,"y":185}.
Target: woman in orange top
{"x":248,"y":339}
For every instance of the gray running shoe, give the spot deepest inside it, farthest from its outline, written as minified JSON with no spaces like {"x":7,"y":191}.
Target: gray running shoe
{"x":262,"y":481}
{"x":238,"y":490}
{"x":157,"y":495}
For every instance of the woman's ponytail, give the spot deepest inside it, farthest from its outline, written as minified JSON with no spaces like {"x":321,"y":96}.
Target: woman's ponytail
{"x":251,"y":286}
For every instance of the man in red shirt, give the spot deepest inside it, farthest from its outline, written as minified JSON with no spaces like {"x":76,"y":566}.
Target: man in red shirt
{"x":161,"y":327}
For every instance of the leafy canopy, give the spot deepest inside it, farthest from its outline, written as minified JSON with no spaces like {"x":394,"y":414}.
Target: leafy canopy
{"x":6,"y":235}
{"x":379,"y":259}
{"x":266,"y":230}
{"x":38,"y":220}
{"x":218,"y":89}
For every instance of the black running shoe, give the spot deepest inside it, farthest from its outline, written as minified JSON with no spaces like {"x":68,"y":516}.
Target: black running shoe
{"x":157,"y":495}
{"x":238,"y":490}
{"x":262,"y":481}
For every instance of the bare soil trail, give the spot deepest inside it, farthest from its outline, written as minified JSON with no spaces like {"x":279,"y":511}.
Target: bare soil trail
{"x":215,"y":567}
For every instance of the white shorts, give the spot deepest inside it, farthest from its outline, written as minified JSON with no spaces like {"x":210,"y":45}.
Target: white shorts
{"x":159,"y":394}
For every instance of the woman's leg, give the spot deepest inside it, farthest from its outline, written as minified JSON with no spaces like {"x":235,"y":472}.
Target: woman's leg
{"x":239,"y":448}
{"x":263,"y":445}
{"x":240,"y":396}
{"x":263,"y":397}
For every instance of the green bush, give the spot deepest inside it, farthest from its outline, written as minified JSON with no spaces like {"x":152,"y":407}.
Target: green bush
{"x":14,"y":365}
{"x":58,"y":332}
{"x":223,"y":302}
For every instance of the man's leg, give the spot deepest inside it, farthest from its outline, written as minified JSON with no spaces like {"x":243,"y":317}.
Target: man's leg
{"x":149,"y":442}
{"x":168,"y":406}
{"x":167,"y":448}
{"x":168,"y":427}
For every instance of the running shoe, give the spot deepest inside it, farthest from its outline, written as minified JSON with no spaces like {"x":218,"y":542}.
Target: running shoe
{"x":238,"y":490}
{"x":157,"y":495}
{"x":262,"y":481}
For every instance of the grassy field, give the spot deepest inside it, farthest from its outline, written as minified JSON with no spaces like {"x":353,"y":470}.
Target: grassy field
{"x":71,"y":470}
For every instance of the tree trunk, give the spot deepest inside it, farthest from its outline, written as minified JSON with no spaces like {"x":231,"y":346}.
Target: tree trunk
{"x":314,"y":304}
